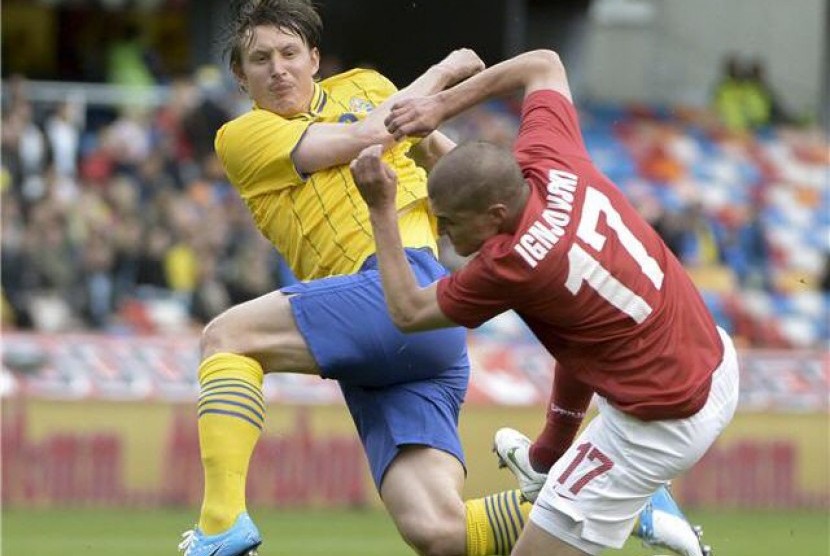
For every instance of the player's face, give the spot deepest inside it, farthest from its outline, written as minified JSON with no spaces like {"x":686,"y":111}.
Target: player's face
{"x":278,"y":70}
{"x":467,"y":230}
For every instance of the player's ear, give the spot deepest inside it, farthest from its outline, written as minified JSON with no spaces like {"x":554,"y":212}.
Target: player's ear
{"x":241,"y":80}
{"x":315,"y":59}
{"x":498,"y":212}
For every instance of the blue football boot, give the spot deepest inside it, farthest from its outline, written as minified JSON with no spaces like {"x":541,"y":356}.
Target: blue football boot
{"x":663,"y":525}
{"x":242,"y":539}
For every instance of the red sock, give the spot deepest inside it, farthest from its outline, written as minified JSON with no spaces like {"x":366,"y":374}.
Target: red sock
{"x":569,"y":398}
{"x":553,"y":441}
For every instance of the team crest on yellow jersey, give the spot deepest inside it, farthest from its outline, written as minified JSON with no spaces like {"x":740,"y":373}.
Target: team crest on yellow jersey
{"x":358,"y":105}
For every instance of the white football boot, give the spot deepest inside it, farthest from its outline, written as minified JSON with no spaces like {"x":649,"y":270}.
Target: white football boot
{"x":513,"y":450}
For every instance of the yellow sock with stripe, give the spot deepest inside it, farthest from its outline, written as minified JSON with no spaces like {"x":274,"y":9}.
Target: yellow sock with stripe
{"x":494,"y":522}
{"x":231,"y":417}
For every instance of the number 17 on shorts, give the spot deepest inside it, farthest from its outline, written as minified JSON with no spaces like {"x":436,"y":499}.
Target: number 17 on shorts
{"x":588,"y":463}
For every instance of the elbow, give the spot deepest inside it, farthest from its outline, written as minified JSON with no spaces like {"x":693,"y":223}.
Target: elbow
{"x":543,"y":69}
{"x":404,"y":322}
{"x":545,"y":60}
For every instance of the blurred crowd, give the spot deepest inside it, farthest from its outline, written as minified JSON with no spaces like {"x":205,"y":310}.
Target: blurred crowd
{"x":129,"y":225}
{"x":122,"y":219}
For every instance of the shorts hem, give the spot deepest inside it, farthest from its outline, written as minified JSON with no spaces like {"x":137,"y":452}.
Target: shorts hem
{"x":455,"y":452}
{"x":303,"y":324}
{"x":565,"y":525}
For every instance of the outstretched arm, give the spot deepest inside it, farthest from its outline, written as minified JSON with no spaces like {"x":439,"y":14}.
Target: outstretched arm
{"x":531,"y":71}
{"x":330,"y":144}
{"x":411,"y":307}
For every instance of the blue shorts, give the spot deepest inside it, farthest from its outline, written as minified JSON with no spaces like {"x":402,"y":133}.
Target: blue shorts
{"x":400,"y":388}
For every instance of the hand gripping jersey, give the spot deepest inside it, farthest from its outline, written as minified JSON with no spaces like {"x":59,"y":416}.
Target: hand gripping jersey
{"x":591,"y":278}
{"x":319,"y":223}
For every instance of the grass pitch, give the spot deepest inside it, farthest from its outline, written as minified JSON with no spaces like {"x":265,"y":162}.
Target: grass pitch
{"x":356,"y":533}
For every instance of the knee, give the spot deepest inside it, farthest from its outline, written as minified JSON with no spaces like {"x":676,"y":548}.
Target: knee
{"x":439,"y":535}
{"x":217,"y":337}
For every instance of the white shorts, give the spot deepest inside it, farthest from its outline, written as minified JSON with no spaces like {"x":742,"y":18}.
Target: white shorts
{"x":595,"y":492}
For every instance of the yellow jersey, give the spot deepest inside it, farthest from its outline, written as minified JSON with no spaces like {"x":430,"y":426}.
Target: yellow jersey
{"x":319,"y":223}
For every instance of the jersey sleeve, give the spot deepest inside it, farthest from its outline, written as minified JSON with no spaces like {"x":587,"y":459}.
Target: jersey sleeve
{"x":474,"y":294}
{"x":256,"y":150}
{"x":549,"y":129}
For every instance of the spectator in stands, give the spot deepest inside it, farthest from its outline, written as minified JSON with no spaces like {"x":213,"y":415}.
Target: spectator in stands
{"x":743,"y":246}
{"x":155,"y":175}
{"x":129,"y":60}
{"x":97,"y":276}
{"x":156,"y":242}
{"x":729,"y":97}
{"x":25,"y":151}
{"x":181,"y":263}
{"x":671,"y":229}
{"x":51,"y":254}
{"x":127,"y":140}
{"x":170,"y":138}
{"x":204,"y":118}
{"x":13,"y":255}
{"x":127,"y":244}
{"x":10,"y":129}
{"x":744,"y":100}
{"x":63,"y":130}
{"x":698,"y":242}
{"x":52,"y":268}
{"x":250,"y":270}
{"x":210,"y":295}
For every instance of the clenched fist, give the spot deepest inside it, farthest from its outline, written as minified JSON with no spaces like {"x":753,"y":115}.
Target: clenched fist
{"x":376,"y":182}
{"x":415,"y":117}
{"x":461,"y":64}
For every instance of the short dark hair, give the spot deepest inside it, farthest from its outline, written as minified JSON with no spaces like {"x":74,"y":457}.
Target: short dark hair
{"x":475,"y":175}
{"x":298,"y":16}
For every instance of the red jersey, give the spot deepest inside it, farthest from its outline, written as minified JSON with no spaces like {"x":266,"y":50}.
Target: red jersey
{"x":593,"y":281}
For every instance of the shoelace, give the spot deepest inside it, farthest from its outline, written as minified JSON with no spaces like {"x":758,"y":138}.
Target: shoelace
{"x":188,"y":538}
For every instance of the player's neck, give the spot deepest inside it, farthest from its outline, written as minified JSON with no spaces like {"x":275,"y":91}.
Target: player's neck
{"x":315,"y":96}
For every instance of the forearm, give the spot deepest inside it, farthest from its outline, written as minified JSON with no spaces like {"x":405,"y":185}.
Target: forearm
{"x":326,"y":145}
{"x":411,"y":307}
{"x":372,"y":130}
{"x":527,"y":72}
{"x":399,"y":286}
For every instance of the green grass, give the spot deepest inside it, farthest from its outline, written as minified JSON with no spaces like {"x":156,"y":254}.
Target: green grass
{"x":365,"y":533}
